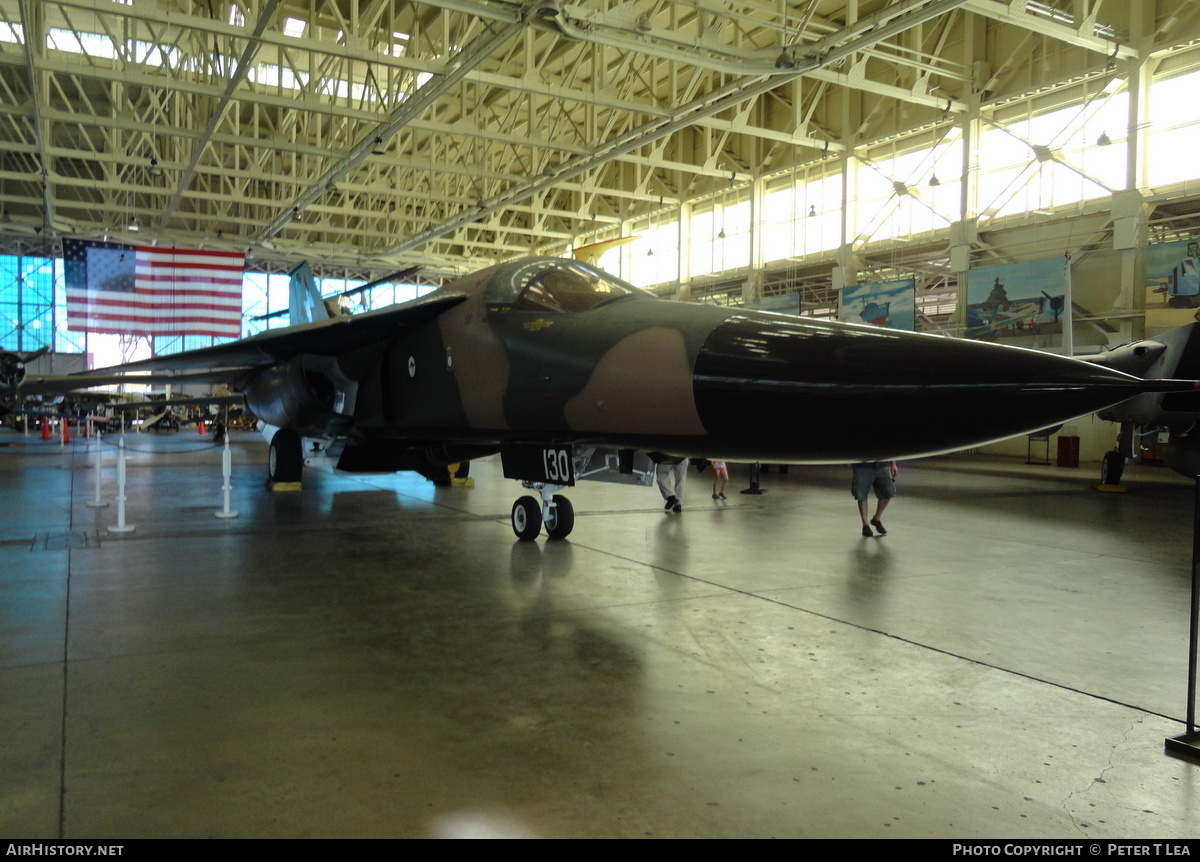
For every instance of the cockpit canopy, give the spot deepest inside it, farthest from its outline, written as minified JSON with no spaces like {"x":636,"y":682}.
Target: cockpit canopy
{"x":554,"y":284}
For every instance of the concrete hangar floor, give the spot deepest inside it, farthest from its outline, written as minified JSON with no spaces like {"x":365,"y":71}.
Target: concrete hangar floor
{"x":375,"y":656}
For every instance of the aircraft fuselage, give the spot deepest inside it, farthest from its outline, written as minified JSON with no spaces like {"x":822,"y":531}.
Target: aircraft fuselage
{"x":638,"y":372}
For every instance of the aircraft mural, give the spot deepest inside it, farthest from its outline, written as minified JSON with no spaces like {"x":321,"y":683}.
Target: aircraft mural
{"x":1013,"y":297}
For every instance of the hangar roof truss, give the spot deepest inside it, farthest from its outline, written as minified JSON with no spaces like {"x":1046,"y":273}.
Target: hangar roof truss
{"x":451,"y":133}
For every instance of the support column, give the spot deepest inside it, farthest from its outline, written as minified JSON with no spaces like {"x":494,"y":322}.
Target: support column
{"x":845,"y":271}
{"x":752,"y":287}
{"x":684,"y":235}
{"x":964,"y":233}
{"x":1130,"y":212}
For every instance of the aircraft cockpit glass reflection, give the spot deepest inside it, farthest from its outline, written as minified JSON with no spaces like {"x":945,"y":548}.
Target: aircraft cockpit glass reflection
{"x":554,"y":285}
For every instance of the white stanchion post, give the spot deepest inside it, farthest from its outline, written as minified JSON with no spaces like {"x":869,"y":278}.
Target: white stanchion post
{"x":226,"y":472}
{"x":97,"y":456}
{"x":121,"y":526}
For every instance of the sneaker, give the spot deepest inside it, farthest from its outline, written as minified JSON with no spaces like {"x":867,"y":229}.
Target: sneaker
{"x":671,"y":501}
{"x":879,"y":527}
{"x":677,"y":507}
{"x":866,"y":531}
{"x":721,"y":495}
{"x":716,"y":496}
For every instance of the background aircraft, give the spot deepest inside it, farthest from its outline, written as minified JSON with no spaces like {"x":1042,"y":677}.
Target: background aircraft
{"x":1151,"y":415}
{"x":307,"y":305}
{"x":541,"y":359}
{"x":12,"y":373}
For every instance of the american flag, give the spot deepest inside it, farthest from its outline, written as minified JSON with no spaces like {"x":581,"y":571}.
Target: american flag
{"x":144,"y":290}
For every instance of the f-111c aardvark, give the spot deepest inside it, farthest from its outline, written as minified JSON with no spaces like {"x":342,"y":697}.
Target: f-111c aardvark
{"x":541,"y":359}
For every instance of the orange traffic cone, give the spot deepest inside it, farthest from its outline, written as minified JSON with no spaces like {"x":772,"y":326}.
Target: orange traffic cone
{"x":45,"y":427}
{"x":200,"y":427}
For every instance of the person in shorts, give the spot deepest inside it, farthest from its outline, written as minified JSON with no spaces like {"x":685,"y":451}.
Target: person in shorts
{"x":720,"y":479}
{"x":879,"y":476}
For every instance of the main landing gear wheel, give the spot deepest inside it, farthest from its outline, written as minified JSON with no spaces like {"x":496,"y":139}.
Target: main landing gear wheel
{"x":527,"y":518}
{"x":286,"y":461}
{"x":562,"y":518}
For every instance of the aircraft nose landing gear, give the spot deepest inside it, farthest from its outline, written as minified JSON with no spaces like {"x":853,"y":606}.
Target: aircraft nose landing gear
{"x":554,"y":510}
{"x":546,"y":470}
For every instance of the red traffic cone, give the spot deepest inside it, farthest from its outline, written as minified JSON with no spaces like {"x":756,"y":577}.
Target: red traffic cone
{"x":200,"y":427}
{"x":45,"y":427}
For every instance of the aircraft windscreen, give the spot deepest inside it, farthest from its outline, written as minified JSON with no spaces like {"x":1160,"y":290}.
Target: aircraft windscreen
{"x":570,"y":287}
{"x":554,"y":284}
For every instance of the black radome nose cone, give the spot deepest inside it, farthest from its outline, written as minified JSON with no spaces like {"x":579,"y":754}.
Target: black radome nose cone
{"x":818,"y":391}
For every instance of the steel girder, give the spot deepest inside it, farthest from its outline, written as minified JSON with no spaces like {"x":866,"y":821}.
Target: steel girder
{"x":400,"y":132}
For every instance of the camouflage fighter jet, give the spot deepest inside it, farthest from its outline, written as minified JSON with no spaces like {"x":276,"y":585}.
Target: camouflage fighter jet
{"x":541,"y":359}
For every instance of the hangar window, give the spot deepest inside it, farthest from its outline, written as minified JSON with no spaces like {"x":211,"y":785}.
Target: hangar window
{"x":27,"y":319}
{"x":1174,"y":118}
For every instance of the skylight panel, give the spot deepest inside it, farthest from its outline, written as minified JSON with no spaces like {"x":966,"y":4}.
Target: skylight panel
{"x":294,"y":27}
{"x":399,"y":46}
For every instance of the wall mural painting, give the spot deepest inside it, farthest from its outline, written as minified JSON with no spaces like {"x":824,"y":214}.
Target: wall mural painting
{"x":1173,"y":277}
{"x":1025,"y":298}
{"x":891,"y":304}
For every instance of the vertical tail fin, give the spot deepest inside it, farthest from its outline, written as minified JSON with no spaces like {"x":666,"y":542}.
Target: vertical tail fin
{"x":305,"y":304}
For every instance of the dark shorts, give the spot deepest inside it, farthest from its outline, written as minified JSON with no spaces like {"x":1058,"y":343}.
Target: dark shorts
{"x":868,"y":476}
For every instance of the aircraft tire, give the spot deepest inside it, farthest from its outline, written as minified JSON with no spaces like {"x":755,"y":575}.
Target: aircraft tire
{"x":527,"y":518}
{"x":562,"y":518}
{"x":286,"y":460}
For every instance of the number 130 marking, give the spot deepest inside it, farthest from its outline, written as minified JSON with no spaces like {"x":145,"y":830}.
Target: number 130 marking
{"x":557,"y":464}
